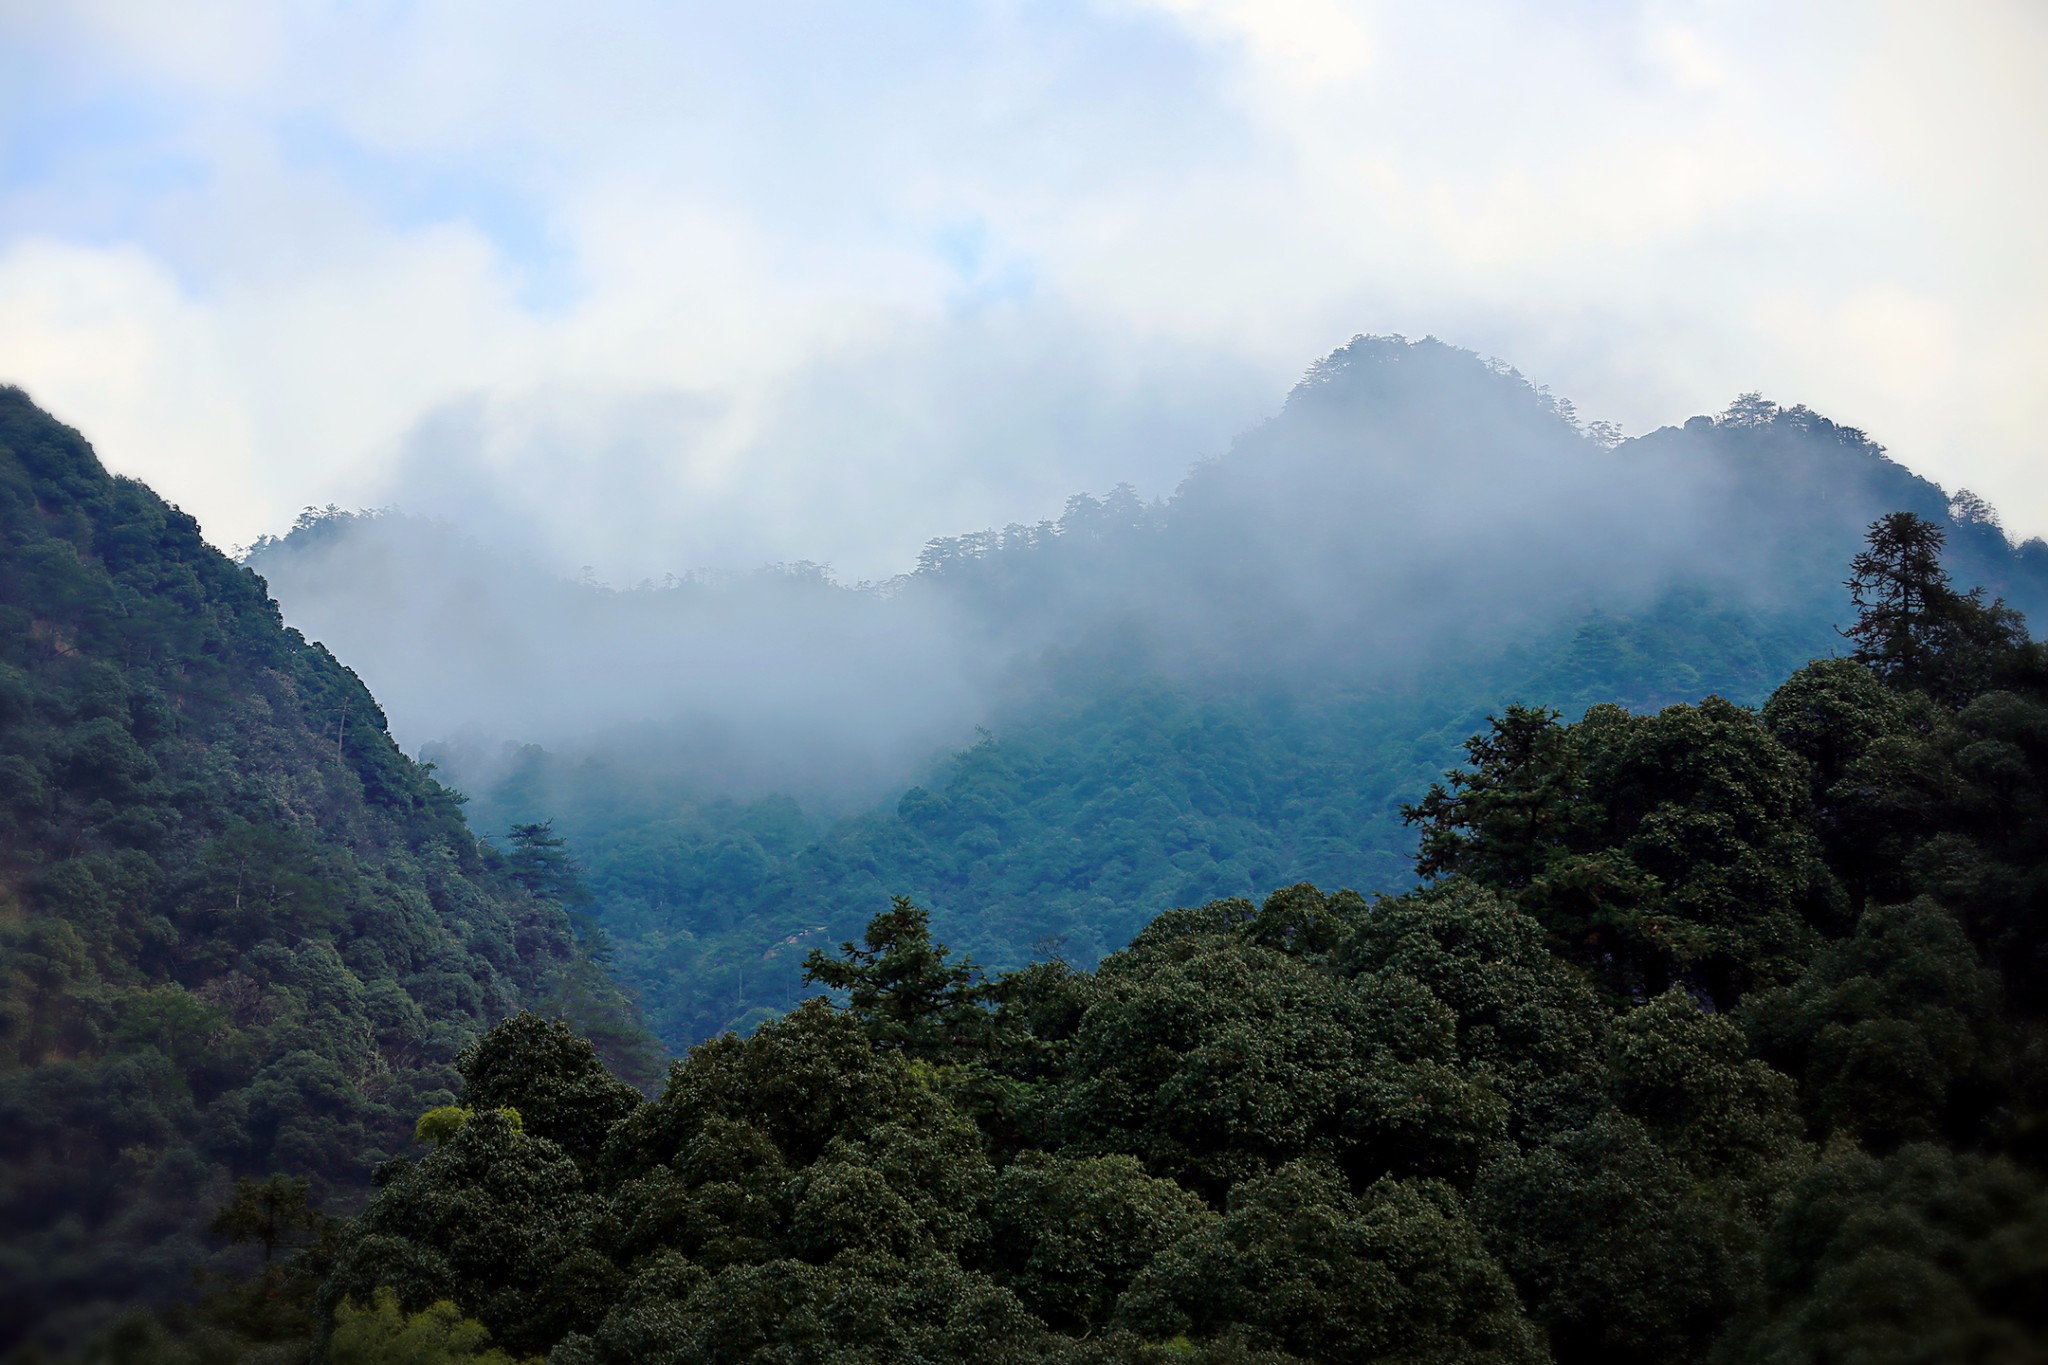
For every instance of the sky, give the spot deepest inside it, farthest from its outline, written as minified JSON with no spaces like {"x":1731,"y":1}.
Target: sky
{"x":656,"y":286}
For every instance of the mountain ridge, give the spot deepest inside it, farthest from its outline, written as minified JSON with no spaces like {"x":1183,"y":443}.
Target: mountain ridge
{"x":241,"y":933}
{"x":1337,"y":568}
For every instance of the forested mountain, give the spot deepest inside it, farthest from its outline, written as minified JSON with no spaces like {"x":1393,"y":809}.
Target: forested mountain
{"x":1715,"y":1031}
{"x":1062,"y":831}
{"x":242,"y":935}
{"x":1715,"y":1034}
{"x":1409,"y":504}
{"x":1202,"y":697}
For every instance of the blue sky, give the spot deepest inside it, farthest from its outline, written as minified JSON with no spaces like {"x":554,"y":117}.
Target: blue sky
{"x":658,"y":286}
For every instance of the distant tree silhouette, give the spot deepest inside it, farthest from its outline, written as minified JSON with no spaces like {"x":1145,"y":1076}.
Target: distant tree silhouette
{"x":539,"y":860}
{"x":1899,"y":588}
{"x":903,"y":989}
{"x":267,"y":1212}
{"x":1912,"y":629}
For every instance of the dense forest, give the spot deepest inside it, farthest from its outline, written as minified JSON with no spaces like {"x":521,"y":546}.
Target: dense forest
{"x":1688,"y":1002}
{"x":243,"y":938}
{"x":1713,"y":1033}
{"x":1201,"y":698}
{"x":1107,"y":800}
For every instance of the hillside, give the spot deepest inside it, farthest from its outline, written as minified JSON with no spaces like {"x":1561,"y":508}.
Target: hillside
{"x":1739,"y":966}
{"x":241,"y":933}
{"x":1181,"y":700}
{"x":1714,"y":1034}
{"x":1075,"y":819}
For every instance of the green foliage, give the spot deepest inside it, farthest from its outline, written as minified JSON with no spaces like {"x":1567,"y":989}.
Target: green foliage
{"x":1924,"y":1255}
{"x":1302,"y":1264}
{"x":903,"y":990}
{"x":861,"y":1311}
{"x":1558,"y":1104}
{"x":381,"y":1333}
{"x":1674,"y":847}
{"x":1616,"y":1248}
{"x":1912,"y":629}
{"x":1329,"y":1129}
{"x":1687,"y":1076}
{"x":539,"y":860}
{"x":493,"y":1220}
{"x":1085,"y":814}
{"x":439,"y":1124}
{"x":1521,"y":797}
{"x":266,"y":1212}
{"x":444,"y":1121}
{"x":796,"y":1082}
{"x":551,"y":1078}
{"x":1070,"y":1233}
{"x":1526,"y":1019}
{"x":1211,"y":1059}
{"x":242,"y":936}
{"x":1896,"y":1032}
{"x":1830,"y":713}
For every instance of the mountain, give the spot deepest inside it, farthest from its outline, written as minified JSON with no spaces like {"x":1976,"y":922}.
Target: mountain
{"x":1714,"y":1034}
{"x":1749,"y":986}
{"x":1185,"y":699}
{"x":241,"y":933}
{"x":1409,"y":504}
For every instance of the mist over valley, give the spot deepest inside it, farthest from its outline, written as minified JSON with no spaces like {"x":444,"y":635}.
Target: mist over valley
{"x":1177,"y":699}
{"x":1410,"y":503}
{"x":876,"y":745}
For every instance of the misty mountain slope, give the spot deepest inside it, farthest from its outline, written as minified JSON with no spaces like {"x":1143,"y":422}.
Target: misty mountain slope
{"x":1411,"y":499}
{"x":1716,"y":1035}
{"x":1076,"y":819}
{"x":776,"y":678}
{"x":1206,"y":696}
{"x":1409,"y":503}
{"x":241,"y":933}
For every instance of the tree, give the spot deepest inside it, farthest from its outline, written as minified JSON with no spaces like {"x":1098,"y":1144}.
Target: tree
{"x":1300,"y":1263}
{"x":1212,"y":1060}
{"x":1522,"y":1014}
{"x":1897,"y":1034}
{"x":382,"y":1333}
{"x":1925,"y":1255}
{"x":1654,"y":848}
{"x":855,"y":1310}
{"x":1301,"y":919}
{"x":495,"y":1221}
{"x":1898,"y":586}
{"x":1829,"y":713}
{"x":539,"y":860}
{"x":1614,"y":1248}
{"x":797,"y":1084}
{"x":267,"y":1212}
{"x":1069,"y":1233}
{"x":1704,"y":806}
{"x":552,"y":1077}
{"x":903,"y":989}
{"x":1688,"y":1078}
{"x":1912,"y":629}
{"x":1520,"y":799}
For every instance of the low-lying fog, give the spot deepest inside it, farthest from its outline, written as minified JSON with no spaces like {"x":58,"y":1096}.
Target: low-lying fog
{"x":1410,"y":504}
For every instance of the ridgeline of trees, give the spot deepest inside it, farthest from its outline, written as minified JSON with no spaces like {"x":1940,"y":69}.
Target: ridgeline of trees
{"x":1224,"y":692}
{"x":1714,"y":1034}
{"x":242,"y":937}
{"x":1717,"y":1031}
{"x":1081,"y":818}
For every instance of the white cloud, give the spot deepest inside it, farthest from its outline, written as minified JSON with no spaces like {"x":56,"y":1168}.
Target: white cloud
{"x":111,"y":344}
{"x":261,"y":261}
{"x":1303,"y":42}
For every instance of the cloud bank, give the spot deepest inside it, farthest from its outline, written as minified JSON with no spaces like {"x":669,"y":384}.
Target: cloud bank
{"x":651,"y":287}
{"x":1414,"y":516}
